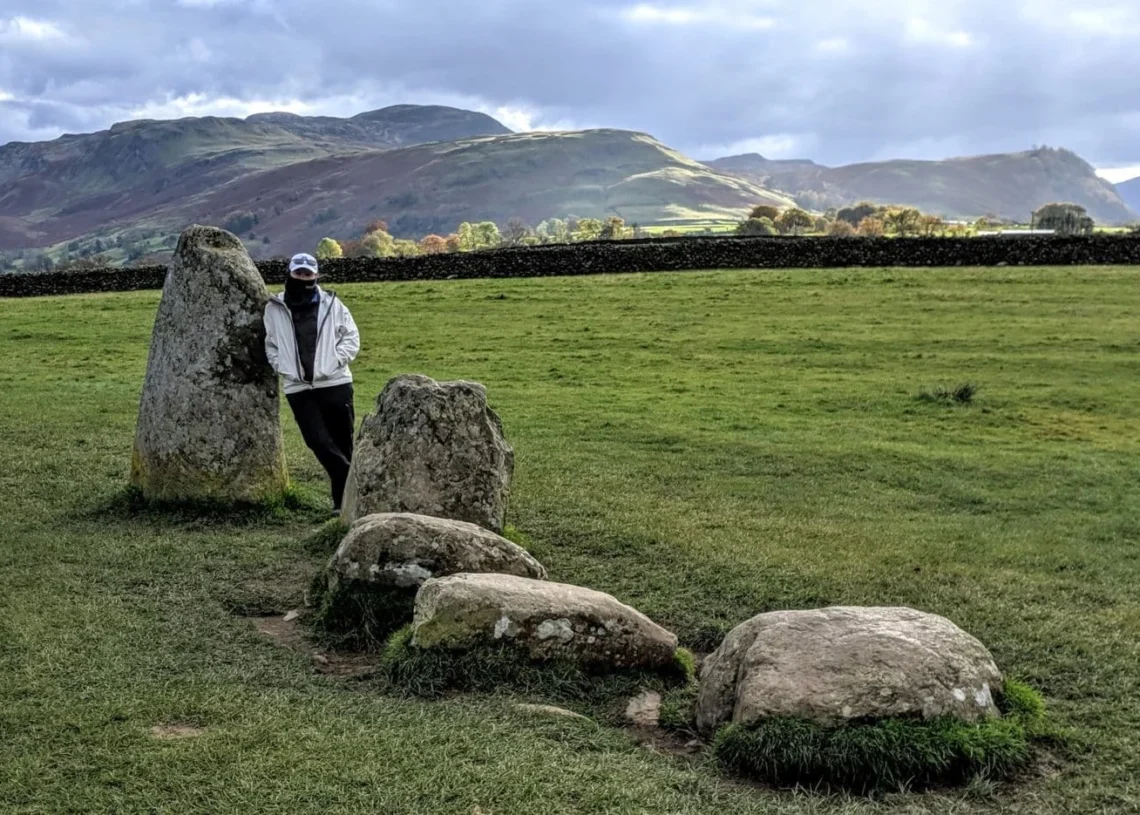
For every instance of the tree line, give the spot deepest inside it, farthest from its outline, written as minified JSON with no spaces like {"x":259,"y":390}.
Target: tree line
{"x":377,"y":241}
{"x":870,"y":220}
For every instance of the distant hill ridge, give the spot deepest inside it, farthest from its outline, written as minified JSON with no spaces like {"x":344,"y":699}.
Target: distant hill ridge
{"x":289,"y":180}
{"x":420,"y":168}
{"x":1009,"y":185}
{"x":76,"y":184}
{"x":1130,"y":192}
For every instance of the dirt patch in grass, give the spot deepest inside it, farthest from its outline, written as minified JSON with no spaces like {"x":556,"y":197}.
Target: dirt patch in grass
{"x":286,"y":630}
{"x":171,"y":732}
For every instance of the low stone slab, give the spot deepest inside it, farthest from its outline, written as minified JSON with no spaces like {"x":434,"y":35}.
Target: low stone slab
{"x":547,"y":620}
{"x":836,"y":665}
{"x":402,"y":550}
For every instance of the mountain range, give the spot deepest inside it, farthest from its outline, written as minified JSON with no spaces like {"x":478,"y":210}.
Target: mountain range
{"x":1130,"y":192}
{"x":1008,"y":186}
{"x":284,"y":181}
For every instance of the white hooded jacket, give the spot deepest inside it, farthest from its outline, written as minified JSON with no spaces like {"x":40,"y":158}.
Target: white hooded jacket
{"x":338,"y":343}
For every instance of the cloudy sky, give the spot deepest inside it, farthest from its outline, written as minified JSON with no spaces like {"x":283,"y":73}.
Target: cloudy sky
{"x":835,"y":81}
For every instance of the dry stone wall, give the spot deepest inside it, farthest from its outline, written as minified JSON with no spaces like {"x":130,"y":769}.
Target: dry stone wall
{"x":649,"y":255}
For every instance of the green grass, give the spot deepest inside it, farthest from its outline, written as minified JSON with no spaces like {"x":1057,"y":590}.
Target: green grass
{"x":892,"y":753}
{"x":703,"y":446}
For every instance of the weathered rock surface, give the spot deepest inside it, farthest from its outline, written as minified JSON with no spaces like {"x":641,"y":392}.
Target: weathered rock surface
{"x":644,"y":710}
{"x":840,"y":664}
{"x":403,"y":550}
{"x":208,"y":425}
{"x":548,"y":620}
{"x":431,"y":448}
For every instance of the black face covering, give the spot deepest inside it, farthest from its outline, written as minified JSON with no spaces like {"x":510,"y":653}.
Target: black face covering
{"x":299,"y":291}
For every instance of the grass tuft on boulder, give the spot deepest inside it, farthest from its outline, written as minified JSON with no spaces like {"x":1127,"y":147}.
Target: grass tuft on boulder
{"x":887,"y":754}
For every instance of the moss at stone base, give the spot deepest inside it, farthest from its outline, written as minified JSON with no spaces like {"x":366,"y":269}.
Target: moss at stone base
{"x":174,"y":481}
{"x":290,"y":506}
{"x":503,"y":667}
{"x":357,"y":615}
{"x":892,"y":753}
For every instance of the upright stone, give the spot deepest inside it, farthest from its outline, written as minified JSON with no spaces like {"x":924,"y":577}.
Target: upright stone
{"x":208,"y":426}
{"x":431,"y":448}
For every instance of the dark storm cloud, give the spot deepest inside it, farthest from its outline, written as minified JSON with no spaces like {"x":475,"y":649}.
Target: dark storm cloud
{"x":832,"y":80}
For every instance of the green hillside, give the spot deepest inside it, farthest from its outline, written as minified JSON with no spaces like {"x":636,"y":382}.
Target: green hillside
{"x":78,"y":184}
{"x":434,"y":187}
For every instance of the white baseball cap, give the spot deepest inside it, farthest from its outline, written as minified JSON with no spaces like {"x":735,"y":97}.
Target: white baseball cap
{"x":303,"y":261}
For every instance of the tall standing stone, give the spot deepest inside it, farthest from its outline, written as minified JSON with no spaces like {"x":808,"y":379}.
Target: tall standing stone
{"x":431,"y":448}
{"x":209,"y":426}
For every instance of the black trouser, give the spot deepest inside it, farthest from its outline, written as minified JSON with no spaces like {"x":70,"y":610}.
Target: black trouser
{"x":327,"y":420}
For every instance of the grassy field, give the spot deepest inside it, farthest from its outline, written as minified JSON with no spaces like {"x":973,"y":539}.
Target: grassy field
{"x":705,"y":446}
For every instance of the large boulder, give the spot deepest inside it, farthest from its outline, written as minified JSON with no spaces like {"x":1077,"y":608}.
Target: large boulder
{"x":431,"y":448}
{"x":842,"y":664}
{"x":208,"y":426}
{"x":547,"y":621}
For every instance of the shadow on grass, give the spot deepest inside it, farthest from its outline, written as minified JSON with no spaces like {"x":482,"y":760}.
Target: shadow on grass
{"x":128,"y":504}
{"x":505,"y":669}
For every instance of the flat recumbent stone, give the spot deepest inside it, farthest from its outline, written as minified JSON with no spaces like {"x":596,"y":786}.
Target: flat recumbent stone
{"x":545,"y":620}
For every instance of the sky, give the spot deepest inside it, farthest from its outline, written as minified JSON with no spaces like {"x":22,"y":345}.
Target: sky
{"x":838,"y":82}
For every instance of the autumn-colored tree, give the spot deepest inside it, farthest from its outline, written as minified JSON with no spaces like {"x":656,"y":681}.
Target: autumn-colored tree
{"x":378,"y":244}
{"x":589,"y":229}
{"x":405,"y":248}
{"x":854,"y":215}
{"x":756,"y":226}
{"x":488,"y":233}
{"x":903,"y":221}
{"x":466,"y":238}
{"x":794,"y":221}
{"x":353,"y":249}
{"x":613,"y":229}
{"x":376,"y":226}
{"x":932,"y":225}
{"x":329,"y":248}
{"x":765,"y":211}
{"x":433,"y":245}
{"x":872,"y":228}
{"x":840,"y":229}
{"x":453,"y":243}
{"x":482,"y":235}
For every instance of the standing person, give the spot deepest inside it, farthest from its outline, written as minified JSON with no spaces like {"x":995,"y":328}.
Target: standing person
{"x":310,"y":338}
